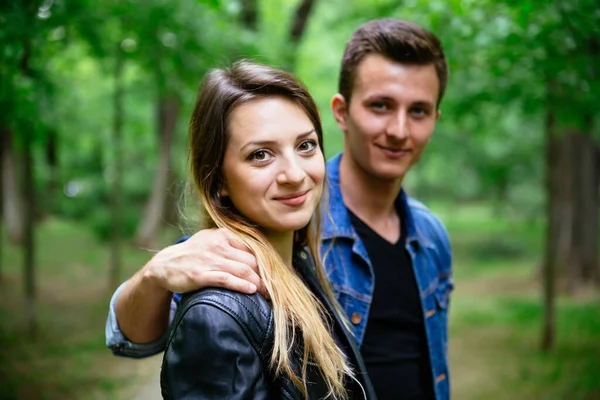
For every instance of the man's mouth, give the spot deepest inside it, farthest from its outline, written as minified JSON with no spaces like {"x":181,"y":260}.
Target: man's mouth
{"x":393,"y":152}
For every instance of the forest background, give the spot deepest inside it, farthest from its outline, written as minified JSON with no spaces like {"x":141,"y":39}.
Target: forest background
{"x":95,"y":97}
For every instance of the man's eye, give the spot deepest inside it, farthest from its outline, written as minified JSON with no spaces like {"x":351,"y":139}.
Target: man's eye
{"x":418,"y":111}
{"x":307,"y":145}
{"x":379,"y":105}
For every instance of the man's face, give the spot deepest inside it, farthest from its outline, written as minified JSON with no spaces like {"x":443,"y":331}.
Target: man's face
{"x":391,"y":116}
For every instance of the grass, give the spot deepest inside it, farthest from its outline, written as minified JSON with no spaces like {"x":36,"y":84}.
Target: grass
{"x":495,"y":319}
{"x":68,"y":358}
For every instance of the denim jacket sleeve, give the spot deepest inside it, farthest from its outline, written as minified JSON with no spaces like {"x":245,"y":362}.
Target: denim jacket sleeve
{"x":446,"y":284}
{"x":445,"y":258}
{"x":120,"y":345}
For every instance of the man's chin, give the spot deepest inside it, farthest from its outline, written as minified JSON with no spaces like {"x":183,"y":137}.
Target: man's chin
{"x":388,"y":174}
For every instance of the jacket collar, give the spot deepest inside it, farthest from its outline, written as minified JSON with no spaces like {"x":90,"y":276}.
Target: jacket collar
{"x":336,"y":220}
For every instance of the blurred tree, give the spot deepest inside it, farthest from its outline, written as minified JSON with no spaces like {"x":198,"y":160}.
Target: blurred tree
{"x":165,"y":34}
{"x":1,"y":207}
{"x":297,"y":29}
{"x":249,"y":14}
{"x":27,"y":138}
{"x":11,"y":204}
{"x":117,"y":169}
{"x":29,"y":231}
{"x":51,"y":158}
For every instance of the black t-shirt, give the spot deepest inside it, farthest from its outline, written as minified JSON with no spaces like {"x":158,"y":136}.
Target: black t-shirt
{"x":395,"y":344}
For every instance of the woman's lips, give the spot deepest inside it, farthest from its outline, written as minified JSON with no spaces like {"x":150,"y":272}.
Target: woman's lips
{"x":293,"y":200}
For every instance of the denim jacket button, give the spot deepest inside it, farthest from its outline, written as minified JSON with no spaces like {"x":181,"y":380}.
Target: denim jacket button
{"x":303,"y":255}
{"x":355,"y":318}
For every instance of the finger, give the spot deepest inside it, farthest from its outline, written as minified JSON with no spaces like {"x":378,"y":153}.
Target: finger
{"x":227,"y":281}
{"x":242,"y":257}
{"x":233,"y":240}
{"x":250,"y":273}
{"x":241,"y":271}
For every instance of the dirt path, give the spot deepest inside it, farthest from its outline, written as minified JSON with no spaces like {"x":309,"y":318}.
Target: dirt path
{"x":150,"y":390}
{"x":145,"y":383}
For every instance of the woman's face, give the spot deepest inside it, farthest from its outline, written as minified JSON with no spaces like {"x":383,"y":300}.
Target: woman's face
{"x":273,"y":165}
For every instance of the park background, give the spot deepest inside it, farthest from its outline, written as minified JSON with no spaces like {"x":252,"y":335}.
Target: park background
{"x":95,"y":97}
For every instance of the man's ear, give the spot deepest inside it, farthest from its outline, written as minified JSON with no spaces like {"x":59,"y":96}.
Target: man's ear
{"x":339,"y":108}
{"x":438,"y":114}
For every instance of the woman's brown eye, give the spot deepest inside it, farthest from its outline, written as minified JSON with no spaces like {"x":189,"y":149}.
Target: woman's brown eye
{"x":260,"y":156}
{"x":307,"y":145}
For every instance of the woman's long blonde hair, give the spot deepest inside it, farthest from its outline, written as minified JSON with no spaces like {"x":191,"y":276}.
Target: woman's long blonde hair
{"x":299,"y":316}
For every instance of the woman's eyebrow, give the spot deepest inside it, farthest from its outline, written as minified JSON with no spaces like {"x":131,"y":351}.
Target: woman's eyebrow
{"x":260,"y":143}
{"x":305,"y":134}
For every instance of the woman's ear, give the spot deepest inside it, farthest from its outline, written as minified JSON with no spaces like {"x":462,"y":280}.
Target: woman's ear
{"x":223,"y":191}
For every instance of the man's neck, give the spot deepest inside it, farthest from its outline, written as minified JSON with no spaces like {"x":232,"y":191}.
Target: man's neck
{"x":370,"y":199}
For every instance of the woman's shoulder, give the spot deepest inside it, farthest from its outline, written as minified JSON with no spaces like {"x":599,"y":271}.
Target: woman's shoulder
{"x":217,"y":309}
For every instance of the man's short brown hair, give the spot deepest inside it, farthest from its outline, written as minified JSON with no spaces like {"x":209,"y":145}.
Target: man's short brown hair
{"x":400,"y":41}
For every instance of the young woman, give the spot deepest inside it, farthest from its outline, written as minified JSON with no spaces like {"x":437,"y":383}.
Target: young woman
{"x":256,"y":151}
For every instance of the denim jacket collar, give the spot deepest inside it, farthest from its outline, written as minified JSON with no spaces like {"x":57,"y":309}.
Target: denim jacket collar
{"x":337,"y":223}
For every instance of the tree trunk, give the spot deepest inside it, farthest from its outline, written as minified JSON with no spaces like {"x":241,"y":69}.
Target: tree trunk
{"x":11,"y":192}
{"x":116,"y":218}
{"x":552,"y":232}
{"x":249,"y":14}
{"x":28,"y":237}
{"x":3,"y":131}
{"x":171,"y":209}
{"x":167,"y":112}
{"x":562,"y":214}
{"x":52,"y":161}
{"x":296,"y":32}
{"x":583,"y":270}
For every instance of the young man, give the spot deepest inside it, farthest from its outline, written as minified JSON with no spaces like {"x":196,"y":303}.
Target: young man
{"x":387,"y":256}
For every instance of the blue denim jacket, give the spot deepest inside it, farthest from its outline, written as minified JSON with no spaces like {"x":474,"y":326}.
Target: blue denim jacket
{"x":351,"y":274}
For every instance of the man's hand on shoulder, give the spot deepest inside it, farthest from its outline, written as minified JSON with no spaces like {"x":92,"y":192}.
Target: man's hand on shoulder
{"x":210,"y":258}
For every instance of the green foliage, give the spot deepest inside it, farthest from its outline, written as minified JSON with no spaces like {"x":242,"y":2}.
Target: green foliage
{"x":490,"y":140}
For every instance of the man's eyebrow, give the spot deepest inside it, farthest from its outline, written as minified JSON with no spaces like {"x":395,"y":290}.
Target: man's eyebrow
{"x":379,"y":97}
{"x":424,"y":103}
{"x":261,"y":143}
{"x":383,"y":97}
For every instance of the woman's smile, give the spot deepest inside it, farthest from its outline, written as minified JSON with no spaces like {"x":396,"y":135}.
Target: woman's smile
{"x":293,"y":200}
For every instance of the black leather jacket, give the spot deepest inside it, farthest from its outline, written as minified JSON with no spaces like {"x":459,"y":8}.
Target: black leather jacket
{"x":220,"y":343}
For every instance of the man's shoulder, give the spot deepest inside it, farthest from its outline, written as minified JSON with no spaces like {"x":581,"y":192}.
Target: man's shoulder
{"x":426,"y":219}
{"x":418,"y":208}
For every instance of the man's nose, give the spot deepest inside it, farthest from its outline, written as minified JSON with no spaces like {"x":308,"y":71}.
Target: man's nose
{"x":399,"y":126}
